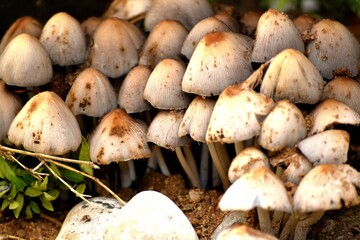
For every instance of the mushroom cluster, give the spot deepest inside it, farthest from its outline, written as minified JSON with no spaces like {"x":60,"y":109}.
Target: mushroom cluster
{"x":161,"y":75}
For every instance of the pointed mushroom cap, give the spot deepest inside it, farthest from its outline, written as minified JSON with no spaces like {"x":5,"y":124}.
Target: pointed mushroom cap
{"x":25,"y":63}
{"x":243,"y":232}
{"x":9,"y":106}
{"x":304,"y":23}
{"x":115,"y":47}
{"x":330,"y":112}
{"x":259,"y":187}
{"x":64,"y":40}
{"x":345,"y":90}
{"x":246,"y":160}
{"x":164,"y":41}
{"x":236,"y":115}
{"x":203,"y":27}
{"x":330,"y":146}
{"x":127,"y":9}
{"x":25,"y":24}
{"x":292,"y":76}
{"x":164,"y":128}
{"x":327,"y":187}
{"x":131,"y":93}
{"x":45,"y":125}
{"x":196,"y":118}
{"x":118,"y":137}
{"x":89,"y":26}
{"x":219,"y":60}
{"x":334,"y":49}
{"x":275,"y":32}
{"x":188,"y":12}
{"x":163,"y":88}
{"x":282,"y":127}
{"x":91,"y":94}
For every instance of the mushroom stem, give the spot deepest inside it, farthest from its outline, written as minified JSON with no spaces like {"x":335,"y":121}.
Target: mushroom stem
{"x":239,"y":146}
{"x":220,"y":167}
{"x":191,"y":160}
{"x":277,"y":220}
{"x":125,"y":174}
{"x":204,"y":166}
{"x":195,"y":181}
{"x":161,"y":161}
{"x":264,"y":220}
{"x":303,"y":226}
{"x":289,"y":227}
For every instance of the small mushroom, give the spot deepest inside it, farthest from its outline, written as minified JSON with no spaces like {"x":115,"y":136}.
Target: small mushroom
{"x":127,"y":9}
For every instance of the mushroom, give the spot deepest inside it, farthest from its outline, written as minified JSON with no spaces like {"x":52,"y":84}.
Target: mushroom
{"x":304,"y":24}
{"x":249,"y":21}
{"x":219,"y":60}
{"x":25,"y":62}
{"x":241,"y":231}
{"x":64,"y":40}
{"x":127,"y":9}
{"x":45,"y":125}
{"x":275,"y":32}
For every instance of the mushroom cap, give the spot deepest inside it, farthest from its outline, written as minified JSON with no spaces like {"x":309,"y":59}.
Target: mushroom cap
{"x":131,"y":93}
{"x":244,"y":161}
{"x":330,"y":112}
{"x":275,"y":32}
{"x":196,"y":118}
{"x":91,"y":94}
{"x":220,"y":59}
{"x":283,"y":127}
{"x":89,"y":26}
{"x":237,"y":114}
{"x":334,"y":49}
{"x":164,"y":41}
{"x":292,"y":76}
{"x":304,"y":23}
{"x":243,"y":232}
{"x":327,"y":187}
{"x":64,"y":40}
{"x":163,"y":88}
{"x":25,"y":63}
{"x":330,"y":146}
{"x":259,"y":187}
{"x":45,"y":125}
{"x":188,"y":12}
{"x":127,"y":9}
{"x":115,"y":47}
{"x":118,"y":137}
{"x":163,"y":130}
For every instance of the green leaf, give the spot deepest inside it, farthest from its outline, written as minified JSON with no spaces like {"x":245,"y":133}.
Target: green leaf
{"x":28,"y":212}
{"x":72,"y":176}
{"x":5,"y":186}
{"x":10,"y":175}
{"x":81,"y":188}
{"x":12,"y":193}
{"x":84,"y":155}
{"x":5,"y":204}
{"x":32,"y":192}
{"x":55,"y":169}
{"x":51,"y":195}
{"x":20,"y":200}
{"x":14,"y":204}
{"x":46,"y":203}
{"x":35,"y":207}
{"x":41,"y":185}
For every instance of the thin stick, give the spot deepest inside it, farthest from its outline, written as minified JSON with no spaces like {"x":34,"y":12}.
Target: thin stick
{"x":30,"y":171}
{"x":219,"y":166}
{"x":51,"y":219}
{"x":193,"y":179}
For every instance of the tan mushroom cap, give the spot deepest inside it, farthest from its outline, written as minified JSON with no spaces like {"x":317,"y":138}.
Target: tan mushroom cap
{"x":220,"y":59}
{"x":243,"y":232}
{"x":327,"y":187}
{"x":91,"y":94}
{"x":331,"y":112}
{"x":283,"y":127}
{"x":164,"y":41}
{"x":334,"y":49}
{"x":64,"y":40}
{"x":304,"y":23}
{"x":330,"y":146}
{"x":45,"y":125}
{"x":25,"y":62}
{"x":127,"y":9}
{"x":275,"y":32}
{"x":118,"y":137}
{"x":236,"y":115}
{"x":292,"y":76}
{"x":259,"y":187}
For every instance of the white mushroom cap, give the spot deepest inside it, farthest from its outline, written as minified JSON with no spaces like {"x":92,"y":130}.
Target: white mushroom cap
{"x":91,"y":94}
{"x":127,"y":9}
{"x":334,"y":49}
{"x":292,"y":76}
{"x":236,"y":115}
{"x":118,"y":137}
{"x":282,"y":127}
{"x":243,"y":232}
{"x":163,"y":88}
{"x":275,"y":32}
{"x":330,"y":146}
{"x":196,"y":118}
{"x":246,"y":160}
{"x":330,"y":112}
{"x":164,"y":128}
{"x":327,"y":187}
{"x":259,"y":187}
{"x":9,"y":106}
{"x":131,"y":93}
{"x":219,"y":60}
{"x":45,"y":125}
{"x":164,"y":41}
{"x":188,"y":12}
{"x":64,"y":40}
{"x":25,"y":62}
